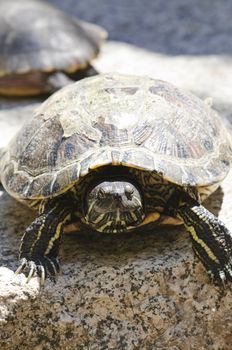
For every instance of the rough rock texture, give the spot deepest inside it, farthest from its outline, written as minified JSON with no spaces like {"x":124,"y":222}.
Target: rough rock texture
{"x":142,"y":290}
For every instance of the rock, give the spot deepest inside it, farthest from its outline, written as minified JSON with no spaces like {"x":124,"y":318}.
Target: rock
{"x":13,"y":290}
{"x":143,"y":290}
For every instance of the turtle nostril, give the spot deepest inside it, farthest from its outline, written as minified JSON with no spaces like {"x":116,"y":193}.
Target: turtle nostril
{"x":117,"y":197}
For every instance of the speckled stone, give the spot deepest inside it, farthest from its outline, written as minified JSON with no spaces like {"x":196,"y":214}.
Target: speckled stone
{"x":137,"y":291}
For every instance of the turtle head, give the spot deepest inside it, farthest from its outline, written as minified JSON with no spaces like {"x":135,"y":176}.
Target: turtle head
{"x":114,"y":206}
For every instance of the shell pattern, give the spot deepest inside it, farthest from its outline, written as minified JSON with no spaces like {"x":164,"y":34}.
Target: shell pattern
{"x":114,"y":119}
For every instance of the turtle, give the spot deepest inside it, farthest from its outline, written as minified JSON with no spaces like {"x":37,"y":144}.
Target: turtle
{"x":115,"y":153}
{"x":43,"y":48}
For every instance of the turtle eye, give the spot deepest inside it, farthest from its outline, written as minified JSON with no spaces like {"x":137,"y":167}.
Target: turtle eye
{"x":101,"y":193}
{"x":129,"y":192}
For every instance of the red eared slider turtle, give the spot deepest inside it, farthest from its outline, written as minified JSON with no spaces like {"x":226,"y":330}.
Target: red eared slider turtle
{"x":38,"y":40}
{"x":119,"y":152}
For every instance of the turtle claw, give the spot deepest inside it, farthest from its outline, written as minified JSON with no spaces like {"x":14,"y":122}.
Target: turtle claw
{"x":32,"y":270}
{"x":42,"y":274}
{"x":22,"y":266}
{"x":39,"y":267}
{"x":221,"y":276}
{"x":228,"y":271}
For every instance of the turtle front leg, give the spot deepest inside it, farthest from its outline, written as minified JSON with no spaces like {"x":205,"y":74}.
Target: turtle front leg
{"x":211,"y":240}
{"x":40,"y":242}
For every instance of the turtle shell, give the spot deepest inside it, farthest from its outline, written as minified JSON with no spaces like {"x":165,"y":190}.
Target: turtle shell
{"x":37,"y":36}
{"x":115,"y":119}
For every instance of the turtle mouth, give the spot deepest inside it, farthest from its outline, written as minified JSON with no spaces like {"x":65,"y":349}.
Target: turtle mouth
{"x":105,"y":224}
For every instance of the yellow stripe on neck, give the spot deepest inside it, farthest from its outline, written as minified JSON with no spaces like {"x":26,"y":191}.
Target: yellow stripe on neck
{"x":56,"y":235}
{"x":209,"y":252}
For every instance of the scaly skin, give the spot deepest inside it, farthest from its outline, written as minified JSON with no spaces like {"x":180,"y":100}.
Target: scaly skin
{"x":212,"y":241}
{"x":40,"y":242}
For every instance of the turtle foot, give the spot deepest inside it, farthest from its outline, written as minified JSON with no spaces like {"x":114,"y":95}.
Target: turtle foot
{"x":41,"y":267}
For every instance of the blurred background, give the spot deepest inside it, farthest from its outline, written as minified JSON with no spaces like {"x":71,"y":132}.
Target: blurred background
{"x":177,"y":27}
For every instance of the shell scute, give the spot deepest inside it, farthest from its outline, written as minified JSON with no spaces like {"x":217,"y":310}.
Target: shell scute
{"x":114,"y":119}
{"x":139,"y":158}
